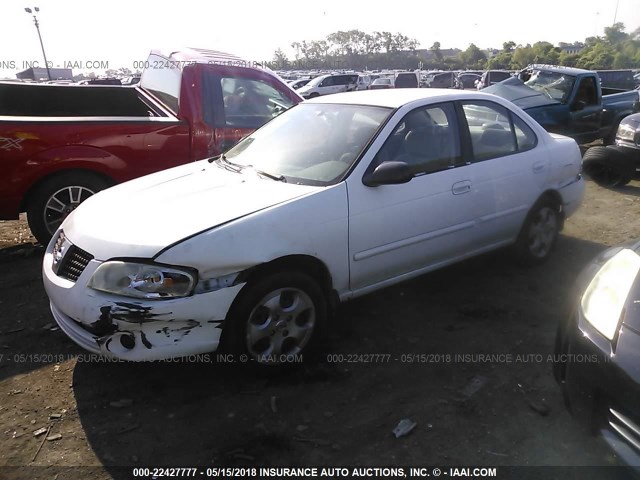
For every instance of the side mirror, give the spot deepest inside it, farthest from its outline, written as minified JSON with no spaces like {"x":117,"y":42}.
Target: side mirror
{"x":388,"y":173}
{"x":579,"y":105}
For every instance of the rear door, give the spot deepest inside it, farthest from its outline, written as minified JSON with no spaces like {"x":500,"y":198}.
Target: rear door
{"x":508,"y":169}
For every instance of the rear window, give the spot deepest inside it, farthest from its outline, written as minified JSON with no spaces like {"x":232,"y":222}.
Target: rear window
{"x":162,"y":80}
{"x":408,"y":80}
{"x":499,"y":76}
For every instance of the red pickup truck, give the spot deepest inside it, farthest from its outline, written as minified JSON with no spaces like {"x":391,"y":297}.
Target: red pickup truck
{"x":59,"y":144}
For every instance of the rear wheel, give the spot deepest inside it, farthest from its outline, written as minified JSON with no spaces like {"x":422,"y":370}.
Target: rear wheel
{"x":277,"y":319}
{"x":539,"y":233}
{"x":56,"y":198}
{"x":608,"y":166}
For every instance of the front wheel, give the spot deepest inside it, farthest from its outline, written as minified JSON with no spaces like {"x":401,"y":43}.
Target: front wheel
{"x":55,"y":198}
{"x":277,"y":319}
{"x":539,"y":234}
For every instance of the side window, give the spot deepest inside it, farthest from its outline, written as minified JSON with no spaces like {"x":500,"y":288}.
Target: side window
{"x":587,"y":92}
{"x":525,"y":138}
{"x":426,"y":139}
{"x":490,"y":130}
{"x":328,"y":82}
{"x":239,"y":102}
{"x":163,"y":82}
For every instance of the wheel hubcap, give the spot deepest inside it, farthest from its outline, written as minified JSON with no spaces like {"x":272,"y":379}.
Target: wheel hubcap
{"x":62,"y":203}
{"x":281,"y":325}
{"x":543,"y":232}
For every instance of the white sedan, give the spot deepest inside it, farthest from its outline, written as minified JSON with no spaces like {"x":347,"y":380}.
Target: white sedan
{"x":337,"y":197}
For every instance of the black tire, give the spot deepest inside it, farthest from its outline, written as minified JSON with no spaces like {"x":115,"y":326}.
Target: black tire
{"x":608,"y":166}
{"x":44,"y":220}
{"x":278,"y":347}
{"x":539,"y":233}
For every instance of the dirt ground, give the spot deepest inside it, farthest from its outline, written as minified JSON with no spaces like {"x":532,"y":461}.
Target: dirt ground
{"x":340,"y":411}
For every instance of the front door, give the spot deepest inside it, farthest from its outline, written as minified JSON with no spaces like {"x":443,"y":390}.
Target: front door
{"x":397,"y":229}
{"x":586,"y":112}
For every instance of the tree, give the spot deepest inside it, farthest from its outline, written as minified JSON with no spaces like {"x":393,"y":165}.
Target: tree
{"x":508,"y":46}
{"x":435,"y":48}
{"x":615,"y":34}
{"x":280,"y":58}
{"x":473,"y":57}
{"x":297,"y":46}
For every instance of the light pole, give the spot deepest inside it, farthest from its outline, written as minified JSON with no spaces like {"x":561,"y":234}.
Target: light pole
{"x":35,"y":21}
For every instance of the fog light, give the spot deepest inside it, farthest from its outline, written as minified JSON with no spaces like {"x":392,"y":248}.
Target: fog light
{"x":128,"y":341}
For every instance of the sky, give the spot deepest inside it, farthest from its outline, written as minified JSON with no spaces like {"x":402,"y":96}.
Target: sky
{"x":120,"y":33}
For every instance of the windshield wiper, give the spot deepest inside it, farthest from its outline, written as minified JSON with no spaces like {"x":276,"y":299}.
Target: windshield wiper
{"x":226,"y":164}
{"x":279,"y":178}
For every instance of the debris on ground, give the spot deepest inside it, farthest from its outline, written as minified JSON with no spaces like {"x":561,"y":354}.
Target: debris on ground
{"x":40,"y":431}
{"x":317,"y":442}
{"x":404,"y":427}
{"x":540,"y":407}
{"x":122,"y":403}
{"x":129,"y":428}
{"x":242,"y":456}
{"x":497,"y":454}
{"x":53,"y":438}
{"x":474,"y":386}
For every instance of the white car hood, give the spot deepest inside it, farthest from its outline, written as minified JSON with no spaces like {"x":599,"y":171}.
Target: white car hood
{"x":141,"y":217}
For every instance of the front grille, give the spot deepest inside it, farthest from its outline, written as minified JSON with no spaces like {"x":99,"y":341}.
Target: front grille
{"x":625,"y":427}
{"x":74,"y":263}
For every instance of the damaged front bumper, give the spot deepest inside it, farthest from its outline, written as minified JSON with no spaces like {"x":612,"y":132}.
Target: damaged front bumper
{"x":135,"y":329}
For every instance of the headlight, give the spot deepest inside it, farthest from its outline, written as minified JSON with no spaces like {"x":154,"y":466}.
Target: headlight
{"x":604,"y":298}
{"x":58,"y":251}
{"x":626,"y":132}
{"x":141,"y":280}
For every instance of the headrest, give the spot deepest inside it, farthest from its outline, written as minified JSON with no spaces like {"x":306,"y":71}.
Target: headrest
{"x":419,"y":141}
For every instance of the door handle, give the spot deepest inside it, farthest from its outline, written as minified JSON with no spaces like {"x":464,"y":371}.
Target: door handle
{"x":459,"y":188}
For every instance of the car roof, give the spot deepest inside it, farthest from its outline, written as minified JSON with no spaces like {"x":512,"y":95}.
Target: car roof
{"x":201,"y":55}
{"x":397,"y":97}
{"x":559,"y":69}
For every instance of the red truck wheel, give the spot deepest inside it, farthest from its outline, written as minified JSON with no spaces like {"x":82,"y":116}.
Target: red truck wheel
{"x":54,"y":199}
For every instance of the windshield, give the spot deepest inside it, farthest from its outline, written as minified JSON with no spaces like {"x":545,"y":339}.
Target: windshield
{"x":311,"y":144}
{"x":555,"y":85}
{"x":316,"y":81}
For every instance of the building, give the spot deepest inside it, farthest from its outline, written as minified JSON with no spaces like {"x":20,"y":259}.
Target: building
{"x":571,"y":48}
{"x":40,"y":74}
